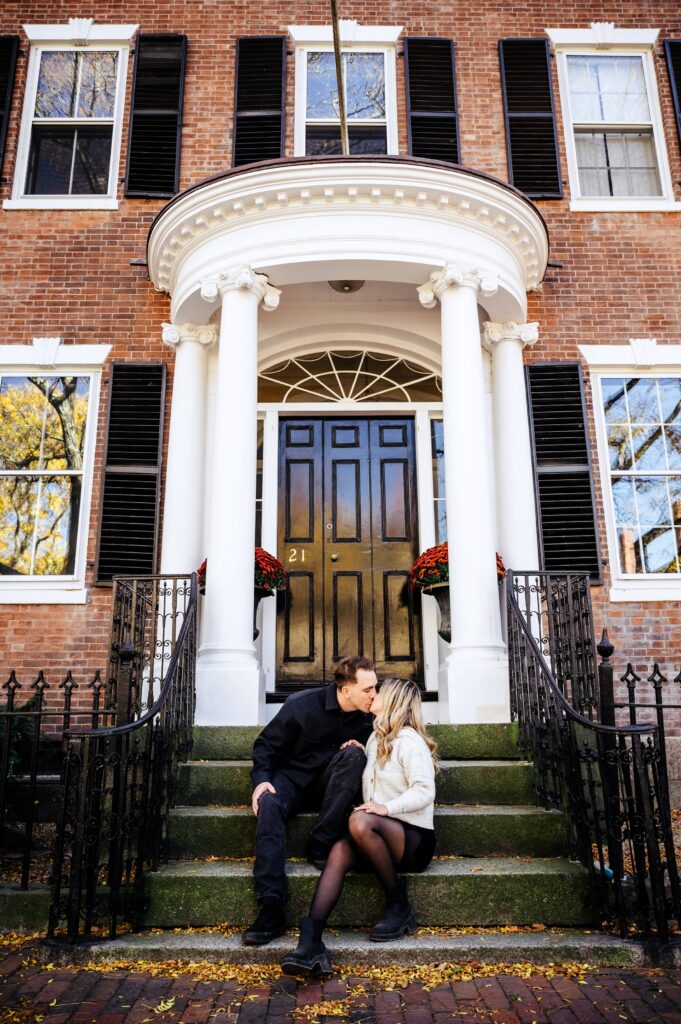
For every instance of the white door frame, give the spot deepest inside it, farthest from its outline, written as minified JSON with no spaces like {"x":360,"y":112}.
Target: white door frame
{"x":423,"y":413}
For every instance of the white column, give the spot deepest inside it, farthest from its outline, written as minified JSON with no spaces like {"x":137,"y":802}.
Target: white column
{"x":516,"y":513}
{"x":474,"y":678}
{"x":183,"y":542}
{"x":229,"y":679}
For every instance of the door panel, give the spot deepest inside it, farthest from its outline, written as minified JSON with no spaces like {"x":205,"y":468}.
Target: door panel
{"x":348,"y":537}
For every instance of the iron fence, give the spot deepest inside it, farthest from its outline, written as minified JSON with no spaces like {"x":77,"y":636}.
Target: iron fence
{"x":119,"y":782}
{"x":610,"y":782}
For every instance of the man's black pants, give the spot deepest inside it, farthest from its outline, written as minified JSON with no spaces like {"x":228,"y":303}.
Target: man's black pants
{"x":334,"y":793}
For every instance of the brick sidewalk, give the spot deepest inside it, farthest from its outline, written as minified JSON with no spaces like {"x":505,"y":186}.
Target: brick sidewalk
{"x":31,"y":993}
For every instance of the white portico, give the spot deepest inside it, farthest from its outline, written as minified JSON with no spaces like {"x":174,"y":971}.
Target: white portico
{"x":467,"y":249}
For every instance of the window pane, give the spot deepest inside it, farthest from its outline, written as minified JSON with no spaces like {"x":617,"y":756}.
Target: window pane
{"x":648,"y":444}
{"x":49,"y":169}
{"x":57,"y":526}
{"x":607,"y":89}
{"x":619,"y":445}
{"x":659,"y":550}
{"x":57,"y":82}
{"x":673,"y":442}
{"x":22,"y":416}
{"x":98,"y":84}
{"x":675,"y":495}
{"x":365,"y":85}
{"x":643,"y":404}
{"x":614,"y":402}
{"x":322,"y":87}
{"x":438,"y":449}
{"x":629,"y":549}
{"x":322,"y":140}
{"x":67,"y":405}
{"x":623,"y":498}
{"x":91,"y":163}
{"x":652,"y":500}
{"x":670,"y":399}
{"x":18,"y":505}
{"x":368,"y":139}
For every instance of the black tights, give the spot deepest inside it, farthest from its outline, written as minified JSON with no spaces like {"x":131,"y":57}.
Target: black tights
{"x":382,"y":841}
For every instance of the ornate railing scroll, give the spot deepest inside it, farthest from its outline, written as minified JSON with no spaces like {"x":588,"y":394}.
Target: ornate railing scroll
{"x":610,"y":782}
{"x":119,"y":783}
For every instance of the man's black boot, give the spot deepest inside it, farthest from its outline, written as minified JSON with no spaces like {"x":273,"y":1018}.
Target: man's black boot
{"x":310,"y":955}
{"x":270,"y":922}
{"x":399,"y":918}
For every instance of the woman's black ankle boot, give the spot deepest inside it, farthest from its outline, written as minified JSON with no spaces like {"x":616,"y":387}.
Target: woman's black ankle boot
{"x":399,"y":918}
{"x":310,"y":956}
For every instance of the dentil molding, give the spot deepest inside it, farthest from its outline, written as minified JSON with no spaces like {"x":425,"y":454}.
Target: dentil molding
{"x":452,"y":274}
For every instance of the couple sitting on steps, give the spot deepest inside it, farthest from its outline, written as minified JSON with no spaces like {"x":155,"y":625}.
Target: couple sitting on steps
{"x":313,"y":754}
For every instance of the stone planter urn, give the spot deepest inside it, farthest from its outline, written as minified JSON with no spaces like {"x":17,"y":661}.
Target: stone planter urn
{"x":440,"y":591}
{"x":258,"y":594}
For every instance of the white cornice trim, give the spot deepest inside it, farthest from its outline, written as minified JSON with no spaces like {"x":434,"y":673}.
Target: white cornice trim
{"x":351,"y":33}
{"x":79,"y":33}
{"x":626,"y":357}
{"x":60,"y":356}
{"x":602,"y":35}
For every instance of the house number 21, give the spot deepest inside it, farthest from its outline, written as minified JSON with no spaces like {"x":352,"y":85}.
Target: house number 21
{"x":293,"y":555}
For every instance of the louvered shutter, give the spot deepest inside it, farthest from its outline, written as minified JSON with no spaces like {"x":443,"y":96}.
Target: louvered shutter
{"x":531,"y":141}
{"x":156,"y":116}
{"x":129,"y":522}
{"x":9,"y":47}
{"x":562,"y":465}
{"x":259,"y":103}
{"x":672,"y":49}
{"x":431,"y":98}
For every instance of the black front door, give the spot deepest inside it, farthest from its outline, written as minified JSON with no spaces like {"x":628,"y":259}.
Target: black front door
{"x":348,"y":535}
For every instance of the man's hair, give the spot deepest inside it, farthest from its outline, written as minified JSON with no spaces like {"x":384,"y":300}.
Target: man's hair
{"x":346,"y":670}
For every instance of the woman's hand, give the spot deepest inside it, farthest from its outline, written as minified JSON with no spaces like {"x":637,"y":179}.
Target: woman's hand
{"x":352,"y":743}
{"x":373,"y":808}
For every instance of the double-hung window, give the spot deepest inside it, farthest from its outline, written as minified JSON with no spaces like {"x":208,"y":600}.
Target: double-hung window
{"x":613,"y":130}
{"x":69,"y":144}
{"x":368,"y":71}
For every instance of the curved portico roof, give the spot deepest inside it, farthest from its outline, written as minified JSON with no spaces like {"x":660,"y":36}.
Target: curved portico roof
{"x":372,"y":218}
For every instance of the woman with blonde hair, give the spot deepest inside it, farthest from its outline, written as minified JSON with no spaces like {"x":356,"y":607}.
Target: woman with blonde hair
{"x":391,"y":832}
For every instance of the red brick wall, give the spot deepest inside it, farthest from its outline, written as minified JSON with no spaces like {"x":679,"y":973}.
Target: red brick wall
{"x":69,"y":274}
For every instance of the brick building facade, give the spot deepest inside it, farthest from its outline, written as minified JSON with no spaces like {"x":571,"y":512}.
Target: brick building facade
{"x":75,"y":249}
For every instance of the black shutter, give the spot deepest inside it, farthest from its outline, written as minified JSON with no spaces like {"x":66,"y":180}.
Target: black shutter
{"x":431,"y":98}
{"x":672,"y":48}
{"x":259,"y":103}
{"x":130,"y":499}
{"x":531,"y":141}
{"x":562,"y":466}
{"x":9,"y":47}
{"x":156,"y":116}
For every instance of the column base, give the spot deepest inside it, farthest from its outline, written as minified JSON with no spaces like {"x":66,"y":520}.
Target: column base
{"x":230,"y":689}
{"x":474,"y":689}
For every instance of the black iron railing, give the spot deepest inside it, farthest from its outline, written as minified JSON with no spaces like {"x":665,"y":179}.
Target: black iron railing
{"x":32,"y":721}
{"x":609,"y":781}
{"x":119,"y":782}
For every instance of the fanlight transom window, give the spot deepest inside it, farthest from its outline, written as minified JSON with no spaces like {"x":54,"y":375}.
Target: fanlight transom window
{"x":348,"y":377}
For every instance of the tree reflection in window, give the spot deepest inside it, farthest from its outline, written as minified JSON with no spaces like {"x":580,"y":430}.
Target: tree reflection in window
{"x":348,"y":377}
{"x":643,"y":423}
{"x":42,"y":436}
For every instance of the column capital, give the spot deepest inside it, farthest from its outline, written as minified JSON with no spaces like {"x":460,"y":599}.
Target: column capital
{"x":455,"y":275}
{"x":523,"y":334}
{"x":241,"y":278}
{"x":199,"y":334}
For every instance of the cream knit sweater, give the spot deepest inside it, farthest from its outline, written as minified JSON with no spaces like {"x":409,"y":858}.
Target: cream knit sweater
{"x":406,"y":782}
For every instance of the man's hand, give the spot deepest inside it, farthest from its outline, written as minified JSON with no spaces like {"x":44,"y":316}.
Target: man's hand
{"x":373,"y":808}
{"x":263,"y":787}
{"x":352,"y":743}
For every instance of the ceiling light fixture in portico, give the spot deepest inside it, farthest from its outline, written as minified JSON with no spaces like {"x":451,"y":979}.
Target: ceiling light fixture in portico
{"x":346,"y":287}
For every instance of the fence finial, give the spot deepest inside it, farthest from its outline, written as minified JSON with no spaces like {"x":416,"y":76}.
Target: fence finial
{"x":605,"y":648}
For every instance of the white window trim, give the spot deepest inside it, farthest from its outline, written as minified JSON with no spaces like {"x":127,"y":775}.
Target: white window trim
{"x":361,"y":38}
{"x":47,"y":355}
{"x":626,"y":42}
{"x":644,"y":358}
{"x":79,"y":34}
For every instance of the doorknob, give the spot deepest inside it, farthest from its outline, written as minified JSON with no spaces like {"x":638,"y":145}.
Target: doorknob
{"x":334,"y":557}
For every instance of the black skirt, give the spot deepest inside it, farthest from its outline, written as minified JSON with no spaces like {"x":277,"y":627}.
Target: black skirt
{"x":419,"y":847}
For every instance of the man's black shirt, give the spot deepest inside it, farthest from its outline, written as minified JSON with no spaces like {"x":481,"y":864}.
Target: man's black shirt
{"x":306,"y":733}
